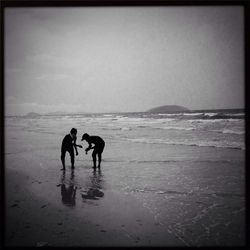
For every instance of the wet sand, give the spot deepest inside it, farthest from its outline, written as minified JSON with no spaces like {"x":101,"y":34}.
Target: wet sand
{"x":144,"y":195}
{"x":35,"y":216}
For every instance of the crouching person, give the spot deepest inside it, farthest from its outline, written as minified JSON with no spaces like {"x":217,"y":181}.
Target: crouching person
{"x":98,"y":147}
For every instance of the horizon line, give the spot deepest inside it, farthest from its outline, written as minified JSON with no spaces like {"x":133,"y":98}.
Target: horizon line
{"x":112,"y":112}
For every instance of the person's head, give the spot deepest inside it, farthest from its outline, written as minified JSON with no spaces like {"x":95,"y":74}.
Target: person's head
{"x":85,"y":136}
{"x":73,"y":132}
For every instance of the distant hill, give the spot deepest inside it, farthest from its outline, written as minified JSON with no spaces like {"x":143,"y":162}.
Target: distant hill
{"x":168,"y":109}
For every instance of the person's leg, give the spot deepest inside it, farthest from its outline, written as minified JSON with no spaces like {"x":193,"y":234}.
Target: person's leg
{"x":100,"y":150}
{"x":94,"y":158}
{"x":99,"y":159}
{"x":72,"y":157}
{"x":63,"y":152}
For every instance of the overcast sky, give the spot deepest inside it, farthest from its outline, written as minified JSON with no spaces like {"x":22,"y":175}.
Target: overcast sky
{"x":107,"y":59}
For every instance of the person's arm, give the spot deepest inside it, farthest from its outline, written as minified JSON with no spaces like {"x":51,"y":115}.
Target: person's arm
{"x":89,"y":147}
{"x":75,"y":146}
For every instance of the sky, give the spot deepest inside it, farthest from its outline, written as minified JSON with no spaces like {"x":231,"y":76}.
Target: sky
{"x":123,"y":59}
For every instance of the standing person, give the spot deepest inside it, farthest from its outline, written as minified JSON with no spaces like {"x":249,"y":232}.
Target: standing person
{"x":98,"y":147}
{"x":68,"y":145}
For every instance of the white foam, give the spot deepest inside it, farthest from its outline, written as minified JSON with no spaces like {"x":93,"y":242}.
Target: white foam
{"x":178,"y":128}
{"x":218,"y":144}
{"x":130,"y":120}
{"x":238,"y":114}
{"x":160,"y":192}
{"x":208,"y":120}
{"x":125,"y":128}
{"x":211,"y":114}
{"x":170,"y":114}
{"x":229,"y":131}
{"x":192,"y":114}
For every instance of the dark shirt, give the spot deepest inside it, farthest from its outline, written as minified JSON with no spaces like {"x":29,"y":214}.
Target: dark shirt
{"x":97,"y":140}
{"x":68,"y":142}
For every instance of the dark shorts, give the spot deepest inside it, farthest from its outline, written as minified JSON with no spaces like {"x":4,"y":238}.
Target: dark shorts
{"x":67,"y":149}
{"x":99,"y":149}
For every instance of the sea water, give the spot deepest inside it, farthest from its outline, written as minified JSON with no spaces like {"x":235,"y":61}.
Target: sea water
{"x":186,"y":169}
{"x":221,"y":130}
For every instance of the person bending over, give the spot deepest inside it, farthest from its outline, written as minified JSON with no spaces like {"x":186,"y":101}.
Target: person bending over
{"x":98,"y":147}
{"x":68,"y":145}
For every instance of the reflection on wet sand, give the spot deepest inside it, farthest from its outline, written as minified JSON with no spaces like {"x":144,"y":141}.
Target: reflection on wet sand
{"x":68,"y":191}
{"x":94,"y":192}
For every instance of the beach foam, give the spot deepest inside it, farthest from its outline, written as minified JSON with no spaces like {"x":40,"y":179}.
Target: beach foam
{"x":182,"y":186}
{"x":217,"y":144}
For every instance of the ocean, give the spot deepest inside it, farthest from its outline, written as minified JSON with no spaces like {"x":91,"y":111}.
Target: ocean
{"x":211,"y":129}
{"x":185,"y":169}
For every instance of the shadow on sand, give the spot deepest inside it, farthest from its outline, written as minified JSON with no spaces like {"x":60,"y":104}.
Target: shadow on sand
{"x":94,"y":192}
{"x":91,"y":191}
{"x":68,"y":191}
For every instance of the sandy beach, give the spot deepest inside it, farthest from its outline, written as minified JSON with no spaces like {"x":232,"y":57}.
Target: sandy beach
{"x":35,"y":213}
{"x":162,"y":87}
{"x":144,"y":194}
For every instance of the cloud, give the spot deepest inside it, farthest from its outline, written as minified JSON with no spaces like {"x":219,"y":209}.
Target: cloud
{"x":53,"y":77}
{"x":10,"y":100}
{"x":12,"y":71}
{"x":54,"y":60}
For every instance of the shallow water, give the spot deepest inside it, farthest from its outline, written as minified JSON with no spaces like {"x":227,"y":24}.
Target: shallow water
{"x":225,"y":130}
{"x":186,"y":170}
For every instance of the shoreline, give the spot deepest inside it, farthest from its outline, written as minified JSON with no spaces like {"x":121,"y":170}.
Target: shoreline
{"x":144,"y":195}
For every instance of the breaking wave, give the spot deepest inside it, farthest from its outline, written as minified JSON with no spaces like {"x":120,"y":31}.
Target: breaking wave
{"x":175,"y":128}
{"x":216,"y":144}
{"x":229,"y":131}
{"x":205,"y":115}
